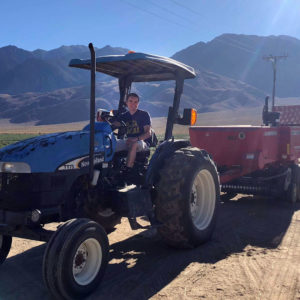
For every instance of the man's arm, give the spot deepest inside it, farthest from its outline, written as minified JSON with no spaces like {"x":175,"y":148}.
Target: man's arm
{"x":142,"y":137}
{"x":146,"y":134}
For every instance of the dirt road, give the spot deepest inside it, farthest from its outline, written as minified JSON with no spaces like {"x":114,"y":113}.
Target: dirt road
{"x":254,"y":254}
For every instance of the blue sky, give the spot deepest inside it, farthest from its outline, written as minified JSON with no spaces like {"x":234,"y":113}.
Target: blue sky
{"x":155,"y":26}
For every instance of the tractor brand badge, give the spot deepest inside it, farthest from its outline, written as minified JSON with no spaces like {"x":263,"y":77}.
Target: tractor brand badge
{"x":242,"y":135}
{"x":85,"y":162}
{"x":81,"y":162}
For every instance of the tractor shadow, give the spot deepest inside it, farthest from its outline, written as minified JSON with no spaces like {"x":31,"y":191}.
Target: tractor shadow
{"x":140,"y":267}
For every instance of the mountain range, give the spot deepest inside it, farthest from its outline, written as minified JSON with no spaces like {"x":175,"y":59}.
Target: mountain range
{"x":39,"y":86}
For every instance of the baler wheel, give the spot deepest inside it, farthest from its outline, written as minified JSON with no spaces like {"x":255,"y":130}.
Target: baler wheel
{"x":187,"y":198}
{"x":297,"y":181}
{"x":5,"y":245}
{"x":292,"y":194}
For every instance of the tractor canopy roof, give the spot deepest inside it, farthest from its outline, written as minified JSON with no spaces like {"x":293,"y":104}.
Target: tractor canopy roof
{"x":139,"y":67}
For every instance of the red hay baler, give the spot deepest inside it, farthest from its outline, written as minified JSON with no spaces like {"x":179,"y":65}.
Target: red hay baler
{"x":261,"y":160}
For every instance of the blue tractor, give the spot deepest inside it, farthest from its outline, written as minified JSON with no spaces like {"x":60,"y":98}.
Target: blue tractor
{"x":71,"y":177}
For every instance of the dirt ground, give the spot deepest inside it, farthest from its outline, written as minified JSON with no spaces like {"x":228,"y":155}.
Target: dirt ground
{"x":254,"y":254}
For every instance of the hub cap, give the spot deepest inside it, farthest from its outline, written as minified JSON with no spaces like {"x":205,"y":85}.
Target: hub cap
{"x":203,"y":199}
{"x":87,"y":261}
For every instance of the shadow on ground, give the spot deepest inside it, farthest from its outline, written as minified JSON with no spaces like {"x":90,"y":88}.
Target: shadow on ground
{"x":140,"y":267}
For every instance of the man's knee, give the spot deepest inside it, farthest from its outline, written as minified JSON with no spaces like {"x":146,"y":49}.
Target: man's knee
{"x":121,"y":145}
{"x":133,"y":146}
{"x":141,"y":146}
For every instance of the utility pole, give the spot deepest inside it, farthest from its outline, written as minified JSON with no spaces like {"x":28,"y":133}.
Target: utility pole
{"x":274,"y":60}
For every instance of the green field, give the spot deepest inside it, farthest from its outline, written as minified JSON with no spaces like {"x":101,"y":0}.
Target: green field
{"x":8,"y":138}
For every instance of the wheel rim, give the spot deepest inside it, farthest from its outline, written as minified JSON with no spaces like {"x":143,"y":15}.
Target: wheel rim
{"x":203,"y":199}
{"x":87,"y":261}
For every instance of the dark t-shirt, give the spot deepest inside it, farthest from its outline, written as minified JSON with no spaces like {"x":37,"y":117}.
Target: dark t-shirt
{"x":135,"y":123}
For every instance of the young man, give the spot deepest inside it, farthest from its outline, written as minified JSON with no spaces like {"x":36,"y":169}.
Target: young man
{"x":138,"y":129}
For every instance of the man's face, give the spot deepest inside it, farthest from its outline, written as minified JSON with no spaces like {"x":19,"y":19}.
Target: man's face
{"x":132,"y":104}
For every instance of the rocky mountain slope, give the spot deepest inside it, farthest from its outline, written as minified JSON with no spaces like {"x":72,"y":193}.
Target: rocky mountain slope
{"x":208,"y":92}
{"x":42,"y":71}
{"x":39,"y":86}
{"x":241,"y":57}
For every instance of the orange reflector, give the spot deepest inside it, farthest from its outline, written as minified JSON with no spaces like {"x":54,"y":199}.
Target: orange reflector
{"x":131,"y":51}
{"x":193,"y":116}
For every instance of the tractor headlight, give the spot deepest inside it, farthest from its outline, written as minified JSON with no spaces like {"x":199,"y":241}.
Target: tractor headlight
{"x":14,"y":167}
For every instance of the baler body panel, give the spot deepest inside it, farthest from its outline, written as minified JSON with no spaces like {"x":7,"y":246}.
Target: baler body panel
{"x":241,"y":150}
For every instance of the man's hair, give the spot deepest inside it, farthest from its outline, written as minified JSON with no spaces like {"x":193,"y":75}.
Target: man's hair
{"x":133,"y":95}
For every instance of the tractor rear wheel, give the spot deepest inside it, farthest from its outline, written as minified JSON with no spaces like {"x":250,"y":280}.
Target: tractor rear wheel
{"x":187,"y":198}
{"x":75,"y":259}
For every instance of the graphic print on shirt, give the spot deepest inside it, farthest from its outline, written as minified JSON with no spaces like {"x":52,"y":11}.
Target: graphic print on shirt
{"x":132,"y":127}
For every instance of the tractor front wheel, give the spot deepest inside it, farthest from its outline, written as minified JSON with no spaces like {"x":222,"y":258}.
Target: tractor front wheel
{"x":187,"y":198}
{"x":75,"y":259}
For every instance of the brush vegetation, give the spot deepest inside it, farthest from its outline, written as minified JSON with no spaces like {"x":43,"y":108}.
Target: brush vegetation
{"x":8,"y":138}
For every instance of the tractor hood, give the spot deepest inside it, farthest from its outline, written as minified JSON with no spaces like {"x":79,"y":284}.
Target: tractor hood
{"x":60,"y":151}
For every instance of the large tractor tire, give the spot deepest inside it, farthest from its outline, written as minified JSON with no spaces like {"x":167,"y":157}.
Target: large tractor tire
{"x":5,"y":245}
{"x":187,"y":198}
{"x":75,"y":259}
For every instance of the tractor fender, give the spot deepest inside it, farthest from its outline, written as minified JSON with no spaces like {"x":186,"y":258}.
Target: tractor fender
{"x":164,"y":150}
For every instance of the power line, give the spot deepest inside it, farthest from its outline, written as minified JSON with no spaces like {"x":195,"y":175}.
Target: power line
{"x":171,"y":12}
{"x":156,"y":15}
{"x":186,"y":7}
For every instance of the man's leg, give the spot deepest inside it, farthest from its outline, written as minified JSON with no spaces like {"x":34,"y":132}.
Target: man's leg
{"x":135,"y":147}
{"x":131,"y":155}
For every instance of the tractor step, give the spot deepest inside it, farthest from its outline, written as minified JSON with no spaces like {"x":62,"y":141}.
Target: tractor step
{"x":133,"y":201}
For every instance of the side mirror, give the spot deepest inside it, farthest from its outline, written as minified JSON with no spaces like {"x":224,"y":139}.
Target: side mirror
{"x":189,"y":117}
